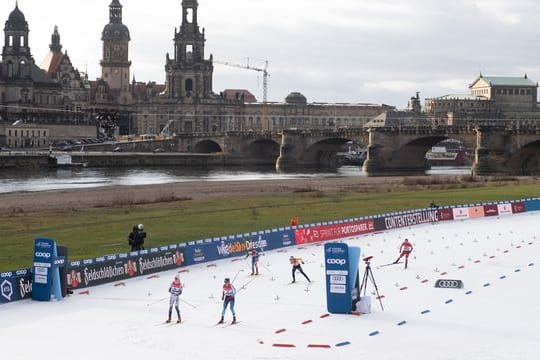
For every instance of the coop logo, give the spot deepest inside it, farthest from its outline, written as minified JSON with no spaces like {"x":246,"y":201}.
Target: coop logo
{"x":7,"y":290}
{"x":336,"y":261}
{"x":40,"y":254}
{"x":449,"y":284}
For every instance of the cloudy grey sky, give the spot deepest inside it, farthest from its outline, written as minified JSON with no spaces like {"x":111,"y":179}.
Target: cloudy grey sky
{"x":378,"y":51}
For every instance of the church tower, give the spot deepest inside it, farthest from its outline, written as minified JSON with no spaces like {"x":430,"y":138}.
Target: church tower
{"x":188,"y":74}
{"x":16,"y":58}
{"x":115,"y":64}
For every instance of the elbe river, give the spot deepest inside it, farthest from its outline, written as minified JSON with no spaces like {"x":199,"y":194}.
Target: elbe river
{"x":75,"y":178}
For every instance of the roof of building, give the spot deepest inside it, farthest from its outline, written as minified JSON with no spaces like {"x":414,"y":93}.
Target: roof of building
{"x":232,"y":94}
{"x":296,"y":98}
{"x":460,"y":97}
{"x":16,"y":20}
{"x":504,"y":81}
{"x":52,"y":62}
{"x":397,"y":118}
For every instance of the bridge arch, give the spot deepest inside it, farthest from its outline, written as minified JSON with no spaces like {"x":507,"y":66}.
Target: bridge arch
{"x":323,"y":153}
{"x":207,"y":147}
{"x":526,"y":159}
{"x":264,"y":149}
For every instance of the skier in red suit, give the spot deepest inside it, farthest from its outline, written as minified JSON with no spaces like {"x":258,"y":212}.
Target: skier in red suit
{"x":405,"y":250}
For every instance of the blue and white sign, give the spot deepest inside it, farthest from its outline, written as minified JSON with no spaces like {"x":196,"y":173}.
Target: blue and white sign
{"x":45,"y":274}
{"x":341,"y":272}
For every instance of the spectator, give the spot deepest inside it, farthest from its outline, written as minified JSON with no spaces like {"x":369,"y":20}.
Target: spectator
{"x":139,"y":237}
{"x":294,"y":221}
{"x":132,"y":237}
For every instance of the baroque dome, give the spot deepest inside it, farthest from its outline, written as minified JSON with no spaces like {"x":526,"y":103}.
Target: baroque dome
{"x":295,"y":98}
{"x":16,"y":20}
{"x":115,"y":31}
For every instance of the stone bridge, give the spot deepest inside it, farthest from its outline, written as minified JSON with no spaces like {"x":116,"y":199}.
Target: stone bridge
{"x":316,"y":148}
{"x":511,"y":150}
{"x":254,"y":148}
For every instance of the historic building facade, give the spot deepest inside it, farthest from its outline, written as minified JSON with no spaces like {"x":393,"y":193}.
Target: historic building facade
{"x":56,"y":93}
{"x":491,"y":99}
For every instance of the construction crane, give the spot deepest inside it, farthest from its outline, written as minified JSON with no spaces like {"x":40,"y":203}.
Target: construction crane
{"x":264,"y":71}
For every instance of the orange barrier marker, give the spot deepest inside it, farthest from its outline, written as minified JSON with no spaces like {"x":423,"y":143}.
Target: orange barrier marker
{"x":120,"y":284}
{"x":444,"y":273}
{"x":461,"y":267}
{"x":425,"y":281}
{"x":211,"y":265}
{"x":324,"y":315}
{"x":86,"y":292}
{"x":280,"y":331}
{"x":153,"y":276}
{"x":403,"y":288}
{"x":307,"y":322}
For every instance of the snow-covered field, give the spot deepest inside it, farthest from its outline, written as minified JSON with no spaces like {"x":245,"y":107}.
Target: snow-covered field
{"x":495,"y":316}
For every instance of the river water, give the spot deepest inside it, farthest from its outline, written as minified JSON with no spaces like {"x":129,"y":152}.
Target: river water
{"x":73,"y":178}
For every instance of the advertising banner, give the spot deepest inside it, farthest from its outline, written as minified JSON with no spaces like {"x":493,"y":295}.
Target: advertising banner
{"x":518,"y":207}
{"x":410,"y":218}
{"x":112,"y":268}
{"x":15,"y":285}
{"x":460,"y":213}
{"x":338,"y":283}
{"x":476,"y":212}
{"x":445,"y":214}
{"x":491,"y":210}
{"x":333,"y":231}
{"x":43,"y":269}
{"x":236,"y":245}
{"x":532,"y":204}
{"x":504,"y":209}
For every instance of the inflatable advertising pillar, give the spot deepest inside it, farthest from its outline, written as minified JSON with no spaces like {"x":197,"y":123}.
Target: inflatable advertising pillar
{"x":342,"y":277}
{"x":46,"y":276}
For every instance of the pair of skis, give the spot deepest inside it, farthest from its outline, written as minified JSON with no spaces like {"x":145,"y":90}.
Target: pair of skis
{"x":224,"y":325}
{"x":392,"y":263}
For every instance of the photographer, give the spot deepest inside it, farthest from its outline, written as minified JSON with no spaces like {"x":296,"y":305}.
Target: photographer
{"x":139,"y":237}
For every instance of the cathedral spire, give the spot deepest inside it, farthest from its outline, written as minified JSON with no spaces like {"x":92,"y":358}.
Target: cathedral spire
{"x":55,"y":45}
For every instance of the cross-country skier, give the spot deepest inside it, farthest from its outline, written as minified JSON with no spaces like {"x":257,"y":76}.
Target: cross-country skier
{"x":254,"y":261}
{"x":405,"y":249}
{"x":229,"y":291}
{"x":295,"y":262}
{"x":175,"y":289}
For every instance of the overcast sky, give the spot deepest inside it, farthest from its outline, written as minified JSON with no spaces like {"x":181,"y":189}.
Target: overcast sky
{"x":377,"y":51}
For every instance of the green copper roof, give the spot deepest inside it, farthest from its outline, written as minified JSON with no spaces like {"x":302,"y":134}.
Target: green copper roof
{"x":506,"y":81}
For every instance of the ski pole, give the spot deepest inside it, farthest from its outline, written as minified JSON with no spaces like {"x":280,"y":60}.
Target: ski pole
{"x":235,"y":276}
{"x":157,"y":301}
{"x":244,"y":285}
{"x":185,"y":302}
{"x":270,"y":271}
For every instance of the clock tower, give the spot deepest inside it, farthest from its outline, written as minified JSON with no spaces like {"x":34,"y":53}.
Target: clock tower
{"x":115,"y":64}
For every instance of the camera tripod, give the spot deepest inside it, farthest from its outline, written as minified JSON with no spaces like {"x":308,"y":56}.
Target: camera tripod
{"x":368,"y":275}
